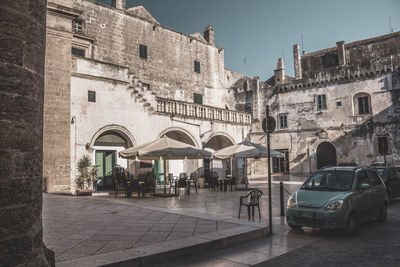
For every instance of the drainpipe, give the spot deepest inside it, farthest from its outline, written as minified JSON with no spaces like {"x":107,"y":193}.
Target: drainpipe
{"x":73,"y":121}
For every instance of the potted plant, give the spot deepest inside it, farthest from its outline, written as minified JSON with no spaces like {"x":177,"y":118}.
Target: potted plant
{"x":93,"y":175}
{"x":84,"y":180}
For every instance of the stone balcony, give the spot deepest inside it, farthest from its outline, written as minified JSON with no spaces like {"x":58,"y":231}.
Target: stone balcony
{"x":202,"y":112}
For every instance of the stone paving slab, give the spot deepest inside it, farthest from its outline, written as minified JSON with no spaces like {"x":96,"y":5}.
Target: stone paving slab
{"x":82,"y":230}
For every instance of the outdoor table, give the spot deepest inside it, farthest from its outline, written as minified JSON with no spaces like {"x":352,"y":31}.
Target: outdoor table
{"x":141,"y":189}
{"x":223,"y":181}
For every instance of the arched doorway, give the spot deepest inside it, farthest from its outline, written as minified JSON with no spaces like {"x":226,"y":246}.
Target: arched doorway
{"x":222,"y":167}
{"x":106,"y":148}
{"x":176,"y":167}
{"x":326,"y":155}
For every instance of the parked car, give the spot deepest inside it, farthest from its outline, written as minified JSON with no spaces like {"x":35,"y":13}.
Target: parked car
{"x":391,"y":178}
{"x":338,"y":198}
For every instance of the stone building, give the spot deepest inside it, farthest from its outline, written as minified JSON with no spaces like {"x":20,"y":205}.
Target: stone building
{"x":341,"y":107}
{"x":115,"y":78}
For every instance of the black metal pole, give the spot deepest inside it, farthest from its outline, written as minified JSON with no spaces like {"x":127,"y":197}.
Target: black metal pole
{"x":282,"y":198}
{"x":269,"y":176}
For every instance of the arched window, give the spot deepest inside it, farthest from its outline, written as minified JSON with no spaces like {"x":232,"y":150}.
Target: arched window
{"x":362,"y":104}
{"x":110,"y":138}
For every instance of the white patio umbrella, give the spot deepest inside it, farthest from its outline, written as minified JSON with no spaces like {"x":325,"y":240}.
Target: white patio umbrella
{"x":246,"y":149}
{"x":164,"y":148}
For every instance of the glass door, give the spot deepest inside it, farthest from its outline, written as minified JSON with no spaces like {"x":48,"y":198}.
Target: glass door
{"x":105,"y":161}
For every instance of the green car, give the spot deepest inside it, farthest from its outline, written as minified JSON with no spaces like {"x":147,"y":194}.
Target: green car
{"x":338,"y":198}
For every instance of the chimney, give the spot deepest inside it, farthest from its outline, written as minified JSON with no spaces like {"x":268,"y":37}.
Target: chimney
{"x":209,"y":35}
{"x":341,"y":52}
{"x":257,"y":99}
{"x":280,"y":72}
{"x":118,"y":4}
{"x":297,"y":61}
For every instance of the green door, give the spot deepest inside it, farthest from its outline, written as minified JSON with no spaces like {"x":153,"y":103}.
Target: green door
{"x":105,"y":161}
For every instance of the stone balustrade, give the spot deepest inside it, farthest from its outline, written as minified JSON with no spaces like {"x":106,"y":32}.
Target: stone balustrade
{"x":197,"y":111}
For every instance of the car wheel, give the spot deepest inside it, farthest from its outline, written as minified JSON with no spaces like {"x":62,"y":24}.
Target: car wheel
{"x":296,"y":227}
{"x":382,"y":217}
{"x":351,"y":225}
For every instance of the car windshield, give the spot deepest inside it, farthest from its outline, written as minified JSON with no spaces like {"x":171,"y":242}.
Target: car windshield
{"x":332,"y":180}
{"x":383,"y":173}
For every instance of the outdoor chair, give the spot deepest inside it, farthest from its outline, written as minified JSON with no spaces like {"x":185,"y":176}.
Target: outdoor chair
{"x":193,"y":182}
{"x":252,"y":199}
{"x":232,"y":182}
{"x":213,"y":181}
{"x":172,"y":182}
{"x":119,"y":181}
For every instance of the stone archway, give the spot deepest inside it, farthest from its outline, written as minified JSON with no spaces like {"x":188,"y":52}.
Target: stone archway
{"x":180,"y":134}
{"x":214,"y":143}
{"x":326,"y":155}
{"x":104,"y":146}
{"x":120,"y":130}
{"x":176,"y":167}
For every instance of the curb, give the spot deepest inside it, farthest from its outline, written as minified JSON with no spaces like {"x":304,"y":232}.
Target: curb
{"x":160,"y":252}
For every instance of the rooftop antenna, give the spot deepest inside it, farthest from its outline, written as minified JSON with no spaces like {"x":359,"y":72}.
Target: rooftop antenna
{"x":390,"y":24}
{"x":302,"y":44}
{"x":283,"y":56}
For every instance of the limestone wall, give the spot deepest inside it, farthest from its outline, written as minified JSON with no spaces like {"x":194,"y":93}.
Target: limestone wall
{"x":56,"y":118}
{"x":169,"y":67}
{"x":118,"y":109}
{"x":353,"y":135}
{"x":22,"y":52}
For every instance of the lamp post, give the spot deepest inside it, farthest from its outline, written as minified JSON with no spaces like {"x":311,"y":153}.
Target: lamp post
{"x":269,"y":175}
{"x":268,"y":126}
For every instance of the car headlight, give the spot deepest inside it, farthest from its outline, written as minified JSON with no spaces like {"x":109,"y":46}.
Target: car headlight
{"x":291,"y":203}
{"x":334,"y":205}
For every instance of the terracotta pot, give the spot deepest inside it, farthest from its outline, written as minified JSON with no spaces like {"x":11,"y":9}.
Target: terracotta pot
{"x":84,"y":192}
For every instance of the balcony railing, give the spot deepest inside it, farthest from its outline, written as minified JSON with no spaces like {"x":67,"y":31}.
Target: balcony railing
{"x":197,"y":111}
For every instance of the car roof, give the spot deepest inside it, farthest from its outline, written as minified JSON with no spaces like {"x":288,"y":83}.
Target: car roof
{"x":339,"y":168}
{"x":346,"y":168}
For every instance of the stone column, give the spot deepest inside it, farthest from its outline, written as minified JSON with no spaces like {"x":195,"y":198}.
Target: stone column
{"x":297,"y":61}
{"x":341,"y":53}
{"x":22,"y":50}
{"x":119,"y":4}
{"x":209,"y":34}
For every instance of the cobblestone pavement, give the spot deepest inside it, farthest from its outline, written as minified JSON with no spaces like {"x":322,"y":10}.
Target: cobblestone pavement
{"x":219,"y":203}
{"x":76,"y":227}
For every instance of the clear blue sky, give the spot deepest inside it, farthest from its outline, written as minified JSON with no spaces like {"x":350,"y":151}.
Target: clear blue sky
{"x":255,"y":33}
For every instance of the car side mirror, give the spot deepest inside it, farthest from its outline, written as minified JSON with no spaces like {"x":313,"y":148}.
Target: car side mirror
{"x":364,"y":187}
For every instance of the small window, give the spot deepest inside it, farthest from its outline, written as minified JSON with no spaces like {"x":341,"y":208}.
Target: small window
{"x":196,"y":66}
{"x":91,"y":96}
{"x":198,"y":98}
{"x":78,"y":52}
{"x":147,"y":85}
{"x":338,"y":103}
{"x":321,"y":102}
{"x":143,"y":51}
{"x":383,"y":147}
{"x":283,"y":121}
{"x":78,"y":26}
{"x":363,"y":105}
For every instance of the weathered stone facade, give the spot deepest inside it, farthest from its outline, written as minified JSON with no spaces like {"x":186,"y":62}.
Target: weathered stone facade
{"x":345,"y":97}
{"x":22,"y":49}
{"x":143,"y":77}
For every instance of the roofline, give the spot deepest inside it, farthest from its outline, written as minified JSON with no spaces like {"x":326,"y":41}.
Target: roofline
{"x":152,"y":23}
{"x":355,"y":43}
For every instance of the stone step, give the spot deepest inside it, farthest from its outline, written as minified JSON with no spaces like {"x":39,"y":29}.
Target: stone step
{"x":166,"y":251}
